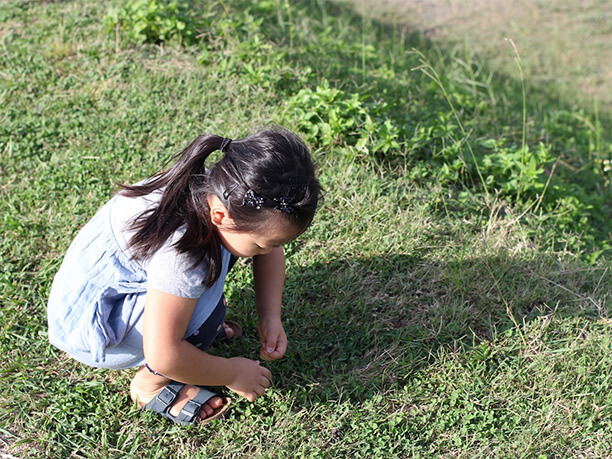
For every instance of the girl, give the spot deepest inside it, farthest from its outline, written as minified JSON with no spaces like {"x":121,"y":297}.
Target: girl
{"x":142,"y":283}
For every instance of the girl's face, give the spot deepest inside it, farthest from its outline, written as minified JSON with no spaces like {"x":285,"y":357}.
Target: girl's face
{"x":249,"y":244}
{"x":262,"y":242}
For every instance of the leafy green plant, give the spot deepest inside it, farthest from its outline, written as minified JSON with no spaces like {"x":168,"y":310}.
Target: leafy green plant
{"x":154,"y":21}
{"x":330,"y":116}
{"x":327,"y":115}
{"x":514,"y":172}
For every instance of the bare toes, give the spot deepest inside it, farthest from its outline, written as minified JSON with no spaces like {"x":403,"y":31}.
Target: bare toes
{"x":209,"y":408}
{"x":206,"y":411}
{"x":215,"y":402}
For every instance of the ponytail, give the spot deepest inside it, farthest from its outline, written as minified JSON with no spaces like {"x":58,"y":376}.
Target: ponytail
{"x":183,"y":202}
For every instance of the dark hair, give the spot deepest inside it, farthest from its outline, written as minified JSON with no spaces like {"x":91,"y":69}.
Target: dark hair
{"x":267,"y":174}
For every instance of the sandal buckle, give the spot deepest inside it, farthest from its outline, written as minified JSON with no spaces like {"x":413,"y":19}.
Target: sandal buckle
{"x":190,"y":411}
{"x":167,"y":396}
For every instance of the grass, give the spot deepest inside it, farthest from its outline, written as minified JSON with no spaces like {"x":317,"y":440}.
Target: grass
{"x":564,"y":45}
{"x":451,"y":299}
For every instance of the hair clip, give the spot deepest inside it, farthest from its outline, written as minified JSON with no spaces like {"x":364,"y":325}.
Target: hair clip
{"x":225,"y":143}
{"x":251,"y":199}
{"x":229,"y":190}
{"x":284,"y":204}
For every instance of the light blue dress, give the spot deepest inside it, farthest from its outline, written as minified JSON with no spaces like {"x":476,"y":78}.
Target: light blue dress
{"x":96,"y":305}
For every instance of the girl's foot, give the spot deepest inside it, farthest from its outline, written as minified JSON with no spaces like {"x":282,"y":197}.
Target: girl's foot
{"x":232,"y":331}
{"x":229,"y":331}
{"x":146,"y":385}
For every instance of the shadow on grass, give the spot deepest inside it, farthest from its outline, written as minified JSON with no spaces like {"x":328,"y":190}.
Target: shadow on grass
{"x":362,"y":326}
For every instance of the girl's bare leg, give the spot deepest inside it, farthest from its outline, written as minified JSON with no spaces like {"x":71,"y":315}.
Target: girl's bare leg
{"x":145,"y":386}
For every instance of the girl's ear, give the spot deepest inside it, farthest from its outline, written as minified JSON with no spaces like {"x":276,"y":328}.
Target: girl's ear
{"x":219,"y":215}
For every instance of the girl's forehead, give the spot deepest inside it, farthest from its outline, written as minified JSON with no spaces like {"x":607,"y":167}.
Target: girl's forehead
{"x":279,"y":231}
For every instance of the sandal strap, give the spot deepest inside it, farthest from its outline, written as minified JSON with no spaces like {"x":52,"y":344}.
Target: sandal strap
{"x":192,"y":408}
{"x":165,"y":398}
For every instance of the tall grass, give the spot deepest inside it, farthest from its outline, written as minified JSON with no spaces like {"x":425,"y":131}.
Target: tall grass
{"x":451,"y":298}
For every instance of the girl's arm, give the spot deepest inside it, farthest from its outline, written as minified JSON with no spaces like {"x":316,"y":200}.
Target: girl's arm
{"x":166,"y":318}
{"x":269,"y":278}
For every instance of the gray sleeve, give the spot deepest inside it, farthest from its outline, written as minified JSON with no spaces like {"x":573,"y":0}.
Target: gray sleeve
{"x":172,"y":272}
{"x":167,"y":270}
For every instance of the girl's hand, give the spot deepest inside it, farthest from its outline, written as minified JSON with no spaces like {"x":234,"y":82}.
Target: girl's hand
{"x":251,"y":378}
{"x":273,"y":338}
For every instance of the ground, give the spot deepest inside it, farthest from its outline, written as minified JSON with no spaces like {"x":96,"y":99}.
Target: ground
{"x":562,"y":43}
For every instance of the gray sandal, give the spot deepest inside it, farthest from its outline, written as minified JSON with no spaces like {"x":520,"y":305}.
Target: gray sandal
{"x":164,"y":400}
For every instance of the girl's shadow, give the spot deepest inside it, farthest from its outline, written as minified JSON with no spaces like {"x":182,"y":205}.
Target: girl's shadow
{"x":359,"y":326}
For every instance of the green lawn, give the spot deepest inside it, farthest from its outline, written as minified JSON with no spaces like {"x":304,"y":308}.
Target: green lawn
{"x":451,"y":298}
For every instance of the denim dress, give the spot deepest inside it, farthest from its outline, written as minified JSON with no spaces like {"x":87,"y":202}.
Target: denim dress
{"x":96,"y":305}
